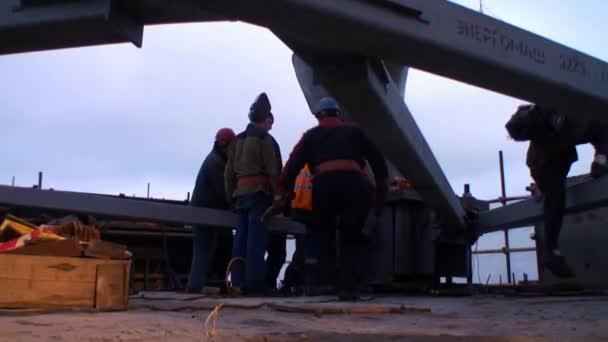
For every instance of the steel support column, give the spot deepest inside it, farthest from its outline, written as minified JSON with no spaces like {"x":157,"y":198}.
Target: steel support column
{"x":46,"y":25}
{"x":373,"y":101}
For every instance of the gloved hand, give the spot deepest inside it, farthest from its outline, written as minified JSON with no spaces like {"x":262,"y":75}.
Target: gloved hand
{"x":379,"y":197}
{"x":471,"y":210}
{"x":277,"y":207}
{"x":535,"y":191}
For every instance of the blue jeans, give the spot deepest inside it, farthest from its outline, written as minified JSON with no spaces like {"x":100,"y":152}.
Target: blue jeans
{"x":211,"y":252}
{"x":203,"y":247}
{"x":250,"y":242}
{"x":312,"y":248}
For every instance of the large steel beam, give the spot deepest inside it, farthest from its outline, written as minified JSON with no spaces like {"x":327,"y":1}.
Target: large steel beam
{"x":580,"y":197}
{"x":45,"y":25}
{"x":374,"y":102}
{"x":442,"y":38}
{"x":433,"y":35}
{"x":124,"y":208}
{"x":313,"y":91}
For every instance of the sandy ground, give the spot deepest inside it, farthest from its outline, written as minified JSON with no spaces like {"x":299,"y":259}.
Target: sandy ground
{"x":175,"y":317}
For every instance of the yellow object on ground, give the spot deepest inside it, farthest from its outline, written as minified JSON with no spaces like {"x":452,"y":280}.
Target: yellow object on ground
{"x":15,"y":227}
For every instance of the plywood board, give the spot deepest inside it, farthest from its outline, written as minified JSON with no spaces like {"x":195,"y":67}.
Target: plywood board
{"x":47,"y":268}
{"x":24,"y":293}
{"x":112,"y":288}
{"x":59,"y":248}
{"x":43,"y":282}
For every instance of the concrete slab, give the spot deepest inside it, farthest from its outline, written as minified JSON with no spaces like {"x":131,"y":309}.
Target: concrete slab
{"x":478,"y":318}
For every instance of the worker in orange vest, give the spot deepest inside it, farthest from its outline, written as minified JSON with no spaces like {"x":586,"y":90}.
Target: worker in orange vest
{"x":336,"y":152}
{"x":301,"y":211}
{"x":302,"y":200}
{"x":314,"y":255}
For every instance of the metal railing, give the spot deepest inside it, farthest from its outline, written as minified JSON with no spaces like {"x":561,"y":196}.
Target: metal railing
{"x":506,"y":249}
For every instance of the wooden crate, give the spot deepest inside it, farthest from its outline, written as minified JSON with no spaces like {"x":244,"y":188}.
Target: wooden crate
{"x":62,"y":282}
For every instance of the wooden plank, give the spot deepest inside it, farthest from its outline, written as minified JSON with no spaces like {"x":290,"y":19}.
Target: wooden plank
{"x":52,"y":282}
{"x":128,"y":268}
{"x":38,"y":268}
{"x":5,"y":258}
{"x":111,"y":286}
{"x":26,"y":293}
{"x":60,"y":248}
{"x":106,"y":250}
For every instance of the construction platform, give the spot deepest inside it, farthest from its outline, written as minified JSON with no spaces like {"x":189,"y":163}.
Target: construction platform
{"x":165,"y":316}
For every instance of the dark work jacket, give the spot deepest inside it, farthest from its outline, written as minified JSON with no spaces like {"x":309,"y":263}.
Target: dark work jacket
{"x":253,"y":153}
{"x":558,"y":147}
{"x":209,"y":188}
{"x":333,"y":139}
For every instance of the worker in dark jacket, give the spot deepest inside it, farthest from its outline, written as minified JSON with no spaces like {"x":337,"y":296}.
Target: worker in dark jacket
{"x":252,"y":176}
{"x":313,"y":264}
{"x":336,"y":153}
{"x":211,"y":248}
{"x":299,"y":271}
{"x":552,"y":151}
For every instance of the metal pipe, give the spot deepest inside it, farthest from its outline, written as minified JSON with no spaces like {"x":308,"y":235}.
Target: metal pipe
{"x":507,"y":199}
{"x":13,"y":181}
{"x":503,"y":191}
{"x":40,"y":180}
{"x":505,"y":250}
{"x":148,"y":189}
{"x":145,"y":233}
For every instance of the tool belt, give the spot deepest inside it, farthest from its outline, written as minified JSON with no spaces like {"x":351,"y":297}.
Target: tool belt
{"x":253,"y":180}
{"x":338,"y":165}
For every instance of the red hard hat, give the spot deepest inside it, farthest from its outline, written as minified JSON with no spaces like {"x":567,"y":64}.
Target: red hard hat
{"x":225,"y":135}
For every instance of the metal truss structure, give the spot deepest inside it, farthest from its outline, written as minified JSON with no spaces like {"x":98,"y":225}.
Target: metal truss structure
{"x":358,"y":51}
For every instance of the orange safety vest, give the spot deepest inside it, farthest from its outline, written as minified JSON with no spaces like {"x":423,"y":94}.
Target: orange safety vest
{"x":303,"y":190}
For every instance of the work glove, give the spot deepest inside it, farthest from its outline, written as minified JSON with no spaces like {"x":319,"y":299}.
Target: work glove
{"x":471,"y":210}
{"x":379,"y":197}
{"x":277,"y":207}
{"x":535,"y":192}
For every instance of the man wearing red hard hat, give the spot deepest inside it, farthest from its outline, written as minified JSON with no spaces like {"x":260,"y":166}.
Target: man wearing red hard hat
{"x":211,"y":248}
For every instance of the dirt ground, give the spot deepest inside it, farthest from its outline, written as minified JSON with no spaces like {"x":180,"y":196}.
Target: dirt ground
{"x":179,"y":317}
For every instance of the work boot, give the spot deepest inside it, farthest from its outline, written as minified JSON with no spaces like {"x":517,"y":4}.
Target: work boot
{"x":311,"y":280}
{"x":235,"y":292}
{"x":348,"y":289}
{"x":327,"y":290}
{"x":556,"y":263}
{"x":348,"y":295}
{"x":286,"y":289}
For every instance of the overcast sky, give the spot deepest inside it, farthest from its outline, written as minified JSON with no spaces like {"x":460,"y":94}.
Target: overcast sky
{"x":112,"y":118}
